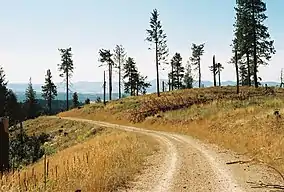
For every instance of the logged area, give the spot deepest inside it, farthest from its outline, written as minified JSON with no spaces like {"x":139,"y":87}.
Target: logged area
{"x":81,"y":156}
{"x":248,"y":123}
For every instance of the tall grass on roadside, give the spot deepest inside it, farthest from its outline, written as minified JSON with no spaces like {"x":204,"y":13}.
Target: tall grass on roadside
{"x":100,"y":164}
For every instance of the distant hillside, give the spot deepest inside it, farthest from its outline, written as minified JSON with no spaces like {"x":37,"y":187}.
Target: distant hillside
{"x":92,"y":90}
{"x":62,"y":96}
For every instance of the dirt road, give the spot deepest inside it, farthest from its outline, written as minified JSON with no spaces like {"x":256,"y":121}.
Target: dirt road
{"x":187,"y":164}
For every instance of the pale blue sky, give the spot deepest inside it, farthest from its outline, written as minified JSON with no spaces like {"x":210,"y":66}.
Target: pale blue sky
{"x":33,"y":30}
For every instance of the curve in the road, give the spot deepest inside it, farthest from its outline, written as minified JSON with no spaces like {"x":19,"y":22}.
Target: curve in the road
{"x":184,"y":164}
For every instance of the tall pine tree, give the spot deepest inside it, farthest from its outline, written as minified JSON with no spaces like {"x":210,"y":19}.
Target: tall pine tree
{"x":177,"y":72}
{"x":130,"y":76}
{"x":119,"y":59}
{"x":252,"y":35}
{"x":197,"y":52}
{"x":66,"y":68}
{"x":158,"y":37}
{"x":75,"y":100}
{"x":106,"y":58}
{"x":213,"y":69}
{"x":31,"y":105}
{"x":49,"y":90}
{"x":188,"y":77}
{"x":3,"y":92}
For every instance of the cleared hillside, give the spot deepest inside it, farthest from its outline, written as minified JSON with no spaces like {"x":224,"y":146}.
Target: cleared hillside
{"x":81,"y":156}
{"x":249,"y":122}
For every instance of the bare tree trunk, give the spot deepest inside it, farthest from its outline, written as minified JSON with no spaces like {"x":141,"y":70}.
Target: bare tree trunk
{"x":248,"y":66}
{"x":104,"y":85}
{"x":119,"y":79}
{"x":172,"y":77}
{"x":199,"y":74}
{"x":214,"y":71}
{"x":281,"y":79}
{"x":254,"y":47}
{"x":219,"y":75}
{"x":110,"y":80}
{"x":67,"y":90}
{"x":137,"y":87}
{"x":157,"y":70}
{"x":237,"y":71}
{"x":178,"y":77}
{"x":163,"y":86}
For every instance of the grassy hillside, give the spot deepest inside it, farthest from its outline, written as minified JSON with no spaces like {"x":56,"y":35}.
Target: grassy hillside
{"x":247,"y":122}
{"x":81,"y":156}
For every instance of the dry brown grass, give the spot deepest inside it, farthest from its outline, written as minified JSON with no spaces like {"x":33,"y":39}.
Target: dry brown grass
{"x":244,"y":123}
{"x":103,"y":163}
{"x":64,"y":133}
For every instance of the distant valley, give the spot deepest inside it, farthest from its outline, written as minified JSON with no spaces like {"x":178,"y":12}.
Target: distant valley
{"x":92,"y":90}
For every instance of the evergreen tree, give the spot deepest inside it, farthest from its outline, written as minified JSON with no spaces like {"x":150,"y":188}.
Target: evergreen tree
{"x":197,"y":52}
{"x":31,"y":104}
{"x":75,"y":100}
{"x":106,"y":57}
{"x":119,"y":59}
{"x":3,"y":92}
{"x":219,"y":68}
{"x":177,"y":72}
{"x":213,"y":69}
{"x":66,"y":68}
{"x":14,"y":110}
{"x":87,"y":101}
{"x":244,"y":75}
{"x":142,"y":85}
{"x":188,"y":77}
{"x":130,"y":76}
{"x":49,"y":90}
{"x":157,"y":36}
{"x":252,"y":35}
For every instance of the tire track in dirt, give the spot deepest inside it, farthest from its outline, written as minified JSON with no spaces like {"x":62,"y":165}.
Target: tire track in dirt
{"x":186,"y":164}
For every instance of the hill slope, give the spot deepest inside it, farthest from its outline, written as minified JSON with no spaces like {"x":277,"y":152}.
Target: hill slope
{"x":81,"y":156}
{"x":246,"y":123}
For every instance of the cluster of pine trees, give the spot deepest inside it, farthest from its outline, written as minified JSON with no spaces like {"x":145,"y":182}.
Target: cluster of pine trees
{"x":252,"y":47}
{"x":134,"y":82}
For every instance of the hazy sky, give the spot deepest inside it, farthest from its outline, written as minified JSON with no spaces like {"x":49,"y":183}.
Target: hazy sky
{"x":32,"y":31}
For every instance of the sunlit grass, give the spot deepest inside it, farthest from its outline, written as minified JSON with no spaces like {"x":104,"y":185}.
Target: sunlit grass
{"x":245,"y":124}
{"x":89,"y":158}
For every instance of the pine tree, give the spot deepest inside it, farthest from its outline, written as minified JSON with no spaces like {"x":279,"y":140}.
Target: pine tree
{"x":130,"y":76}
{"x":219,"y":68}
{"x":197,"y":52}
{"x":252,"y":35}
{"x":157,"y":36}
{"x":3,"y":92}
{"x":14,"y":110}
{"x":188,"y":77}
{"x":31,"y":104}
{"x":106,"y":57}
{"x":142,"y":85}
{"x":75,"y":100}
{"x":119,"y":59}
{"x":177,"y":72}
{"x":66,"y":68}
{"x":49,"y":90}
{"x":243,"y":74}
{"x":213,"y":69}
{"x":87,"y":101}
